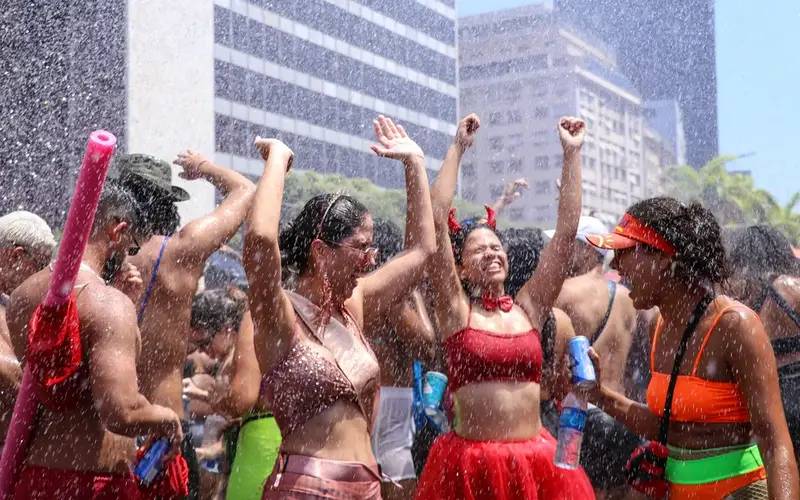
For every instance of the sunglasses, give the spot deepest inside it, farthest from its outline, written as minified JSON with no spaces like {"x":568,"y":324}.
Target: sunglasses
{"x":369,"y":254}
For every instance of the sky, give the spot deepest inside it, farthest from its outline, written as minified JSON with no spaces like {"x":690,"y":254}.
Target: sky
{"x":758,"y":79}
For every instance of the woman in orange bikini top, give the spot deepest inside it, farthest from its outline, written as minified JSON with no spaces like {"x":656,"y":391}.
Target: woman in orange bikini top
{"x":727,"y":432}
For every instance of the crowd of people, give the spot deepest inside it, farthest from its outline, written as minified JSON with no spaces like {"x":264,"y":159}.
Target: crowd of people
{"x":290,"y":369}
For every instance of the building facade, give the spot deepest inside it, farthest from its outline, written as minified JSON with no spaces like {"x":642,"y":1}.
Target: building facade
{"x":521,"y":69}
{"x":665,"y":117}
{"x":315,"y":73}
{"x":210,"y":75}
{"x":667,"y":48}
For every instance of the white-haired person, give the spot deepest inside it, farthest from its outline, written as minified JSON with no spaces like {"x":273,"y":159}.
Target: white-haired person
{"x":26,"y":246}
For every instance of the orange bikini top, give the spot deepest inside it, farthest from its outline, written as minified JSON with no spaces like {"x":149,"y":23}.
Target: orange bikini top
{"x":697,"y":399}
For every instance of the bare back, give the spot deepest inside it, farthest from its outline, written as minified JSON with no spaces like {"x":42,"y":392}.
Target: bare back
{"x":165,"y":321}
{"x":776,"y":321}
{"x":75,"y":439}
{"x":586,"y":301}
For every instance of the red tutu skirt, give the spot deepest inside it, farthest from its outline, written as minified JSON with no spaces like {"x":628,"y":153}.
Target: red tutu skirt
{"x":461,"y":469}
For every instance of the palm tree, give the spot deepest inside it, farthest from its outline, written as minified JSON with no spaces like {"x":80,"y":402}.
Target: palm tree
{"x":734,"y":199}
{"x":787,"y":219}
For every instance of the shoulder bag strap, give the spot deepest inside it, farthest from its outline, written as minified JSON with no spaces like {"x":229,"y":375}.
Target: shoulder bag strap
{"x":694,"y":319}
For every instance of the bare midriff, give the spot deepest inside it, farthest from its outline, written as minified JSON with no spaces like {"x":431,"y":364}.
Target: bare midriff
{"x":699,"y":436}
{"x":498,"y":411}
{"x":340,"y":432}
{"x":77,"y":440}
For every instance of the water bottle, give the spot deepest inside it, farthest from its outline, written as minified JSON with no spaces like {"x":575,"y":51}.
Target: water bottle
{"x":570,"y":432}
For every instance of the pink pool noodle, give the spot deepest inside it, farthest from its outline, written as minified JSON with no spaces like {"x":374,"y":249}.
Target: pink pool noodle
{"x":80,"y":219}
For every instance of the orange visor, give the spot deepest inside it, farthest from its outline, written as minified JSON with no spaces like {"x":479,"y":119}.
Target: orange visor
{"x":630,"y":232}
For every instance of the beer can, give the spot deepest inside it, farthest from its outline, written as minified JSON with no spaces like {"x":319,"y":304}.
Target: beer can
{"x":150,"y":465}
{"x":583,"y":374}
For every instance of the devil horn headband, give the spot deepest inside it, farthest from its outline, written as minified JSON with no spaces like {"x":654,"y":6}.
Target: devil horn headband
{"x":452,"y":222}
{"x":491,"y":217}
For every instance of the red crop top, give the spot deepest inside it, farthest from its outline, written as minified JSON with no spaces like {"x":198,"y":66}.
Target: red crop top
{"x":475,"y":356}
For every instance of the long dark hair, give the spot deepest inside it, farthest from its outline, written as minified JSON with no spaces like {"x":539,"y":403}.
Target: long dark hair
{"x":388,"y":239}
{"x":758,"y":255}
{"x":523,"y":247}
{"x":694,"y":233}
{"x":329,"y":217}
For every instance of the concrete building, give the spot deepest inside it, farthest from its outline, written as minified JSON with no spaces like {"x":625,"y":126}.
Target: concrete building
{"x":667,"y":49}
{"x":665,"y":117}
{"x":212,"y":74}
{"x":521,"y":69}
{"x":658,"y":156}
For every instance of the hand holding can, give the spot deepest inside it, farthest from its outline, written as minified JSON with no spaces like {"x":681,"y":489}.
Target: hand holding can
{"x":583,"y":374}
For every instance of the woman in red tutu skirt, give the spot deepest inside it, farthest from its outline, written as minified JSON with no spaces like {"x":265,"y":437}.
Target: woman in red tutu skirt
{"x":499,"y":449}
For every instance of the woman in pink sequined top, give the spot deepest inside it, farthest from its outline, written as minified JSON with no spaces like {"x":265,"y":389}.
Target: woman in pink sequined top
{"x":319,"y":373}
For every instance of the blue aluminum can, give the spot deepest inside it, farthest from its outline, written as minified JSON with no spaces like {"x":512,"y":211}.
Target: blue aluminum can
{"x":583,"y":374}
{"x":150,"y":465}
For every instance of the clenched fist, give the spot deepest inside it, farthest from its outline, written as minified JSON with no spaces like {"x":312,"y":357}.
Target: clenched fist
{"x":571,"y":130}
{"x":268,"y":146}
{"x":467,"y":130}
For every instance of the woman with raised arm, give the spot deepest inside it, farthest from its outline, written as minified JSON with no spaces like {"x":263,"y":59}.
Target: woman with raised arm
{"x":320,"y":375}
{"x":498,"y":448}
{"x":720,"y":421}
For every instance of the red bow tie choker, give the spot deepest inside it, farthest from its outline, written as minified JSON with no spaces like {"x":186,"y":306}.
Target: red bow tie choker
{"x":504,"y":302}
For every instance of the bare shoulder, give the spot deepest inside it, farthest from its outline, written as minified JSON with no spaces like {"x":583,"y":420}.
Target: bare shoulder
{"x":106,"y":309}
{"x":562,"y":318}
{"x":571,"y":291}
{"x":622,"y":298}
{"x":789,"y":288}
{"x":741,"y":325}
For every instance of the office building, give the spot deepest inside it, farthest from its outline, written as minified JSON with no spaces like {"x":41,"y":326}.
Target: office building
{"x":665,"y":117}
{"x":212,"y":74}
{"x":667,"y":49}
{"x":521,"y":69}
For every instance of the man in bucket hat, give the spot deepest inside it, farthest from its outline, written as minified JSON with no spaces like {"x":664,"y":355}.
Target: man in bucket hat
{"x":171,"y":264}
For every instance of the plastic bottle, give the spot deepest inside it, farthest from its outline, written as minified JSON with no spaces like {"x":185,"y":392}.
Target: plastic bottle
{"x":570,"y":432}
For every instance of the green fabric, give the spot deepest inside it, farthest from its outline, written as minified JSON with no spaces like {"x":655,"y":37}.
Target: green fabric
{"x":715,"y":468}
{"x":256,"y":452}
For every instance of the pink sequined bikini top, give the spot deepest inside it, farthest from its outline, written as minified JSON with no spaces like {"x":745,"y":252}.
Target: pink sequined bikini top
{"x":312,"y":377}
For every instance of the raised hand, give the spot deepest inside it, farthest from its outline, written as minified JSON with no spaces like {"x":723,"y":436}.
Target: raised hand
{"x":467,"y":130}
{"x":393,"y":141}
{"x":128,"y":280}
{"x":267,"y":146}
{"x":571,"y":130}
{"x":192,"y":164}
{"x":513,"y":190}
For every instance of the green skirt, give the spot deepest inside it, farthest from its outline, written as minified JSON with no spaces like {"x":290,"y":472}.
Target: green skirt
{"x":256,"y":451}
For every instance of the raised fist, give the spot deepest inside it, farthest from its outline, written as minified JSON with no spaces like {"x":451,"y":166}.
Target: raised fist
{"x":268,"y":146}
{"x":192,"y":164}
{"x":467,"y":130}
{"x":571,"y":130}
{"x":393,"y":141}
